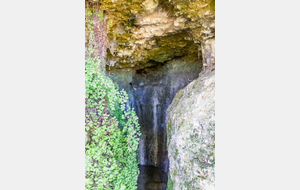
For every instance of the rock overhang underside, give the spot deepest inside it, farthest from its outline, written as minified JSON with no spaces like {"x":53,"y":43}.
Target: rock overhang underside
{"x":142,"y":31}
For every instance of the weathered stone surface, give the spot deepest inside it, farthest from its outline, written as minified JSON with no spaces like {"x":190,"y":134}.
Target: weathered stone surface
{"x":160,"y":46}
{"x":95,"y":34}
{"x":152,"y":91}
{"x":145,"y":30}
{"x":191,"y":136}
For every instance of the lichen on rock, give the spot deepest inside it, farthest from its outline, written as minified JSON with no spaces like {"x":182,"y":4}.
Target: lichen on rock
{"x":140,"y":30}
{"x":191,"y":136}
{"x":159,"y":47}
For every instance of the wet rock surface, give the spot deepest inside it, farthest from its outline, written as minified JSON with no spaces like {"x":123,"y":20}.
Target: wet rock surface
{"x":152,"y":178}
{"x":151,"y":92}
{"x":155,"y":48}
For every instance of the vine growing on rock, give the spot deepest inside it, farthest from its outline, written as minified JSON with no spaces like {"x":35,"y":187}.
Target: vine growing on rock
{"x":111,"y":128}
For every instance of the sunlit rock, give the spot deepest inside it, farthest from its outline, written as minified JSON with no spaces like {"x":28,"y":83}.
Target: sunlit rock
{"x":191,"y":136}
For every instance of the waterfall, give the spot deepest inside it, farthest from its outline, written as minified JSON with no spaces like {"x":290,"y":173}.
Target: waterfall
{"x":155,"y":128}
{"x":154,"y":90}
{"x":142,"y":150}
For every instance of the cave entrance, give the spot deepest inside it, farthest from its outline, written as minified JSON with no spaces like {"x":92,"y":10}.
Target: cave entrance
{"x":151,"y":90}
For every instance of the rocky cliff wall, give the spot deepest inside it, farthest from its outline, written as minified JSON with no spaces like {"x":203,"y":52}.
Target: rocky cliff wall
{"x":154,"y":49}
{"x":191,"y":136}
{"x":158,"y":30}
{"x":151,"y":91}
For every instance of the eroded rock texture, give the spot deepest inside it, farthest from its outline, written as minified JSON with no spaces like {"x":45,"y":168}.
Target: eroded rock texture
{"x":152,"y":91}
{"x":154,"y":49}
{"x":158,"y":30}
{"x":191,"y":136}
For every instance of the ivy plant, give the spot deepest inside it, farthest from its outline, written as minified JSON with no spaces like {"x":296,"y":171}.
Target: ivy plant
{"x":112,"y":131}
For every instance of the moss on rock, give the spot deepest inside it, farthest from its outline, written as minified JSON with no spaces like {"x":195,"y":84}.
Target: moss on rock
{"x":190,"y":136}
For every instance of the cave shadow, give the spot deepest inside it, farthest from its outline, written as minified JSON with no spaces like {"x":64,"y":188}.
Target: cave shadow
{"x":151,"y":90}
{"x":152,"y":178}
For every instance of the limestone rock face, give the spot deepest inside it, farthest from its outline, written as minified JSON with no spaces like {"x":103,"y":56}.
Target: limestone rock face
{"x":191,"y":136}
{"x":157,"y":30}
{"x":154,"y":49}
{"x":152,"y":91}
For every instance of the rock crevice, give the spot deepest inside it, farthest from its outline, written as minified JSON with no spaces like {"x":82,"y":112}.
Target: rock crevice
{"x":155,"y":50}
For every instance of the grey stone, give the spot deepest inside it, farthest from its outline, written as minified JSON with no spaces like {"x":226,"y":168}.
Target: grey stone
{"x":151,"y":101}
{"x":191,"y":136}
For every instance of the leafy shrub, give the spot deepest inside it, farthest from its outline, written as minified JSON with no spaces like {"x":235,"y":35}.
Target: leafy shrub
{"x":112,"y":130}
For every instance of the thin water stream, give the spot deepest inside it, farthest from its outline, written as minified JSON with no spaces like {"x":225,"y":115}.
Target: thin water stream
{"x":151,"y":91}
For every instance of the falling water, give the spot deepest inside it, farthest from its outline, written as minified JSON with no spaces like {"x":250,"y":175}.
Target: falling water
{"x":142,"y":150}
{"x":155,"y":104}
{"x":153,"y":91}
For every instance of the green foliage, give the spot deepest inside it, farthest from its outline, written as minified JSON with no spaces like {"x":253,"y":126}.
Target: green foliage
{"x":112,"y":133}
